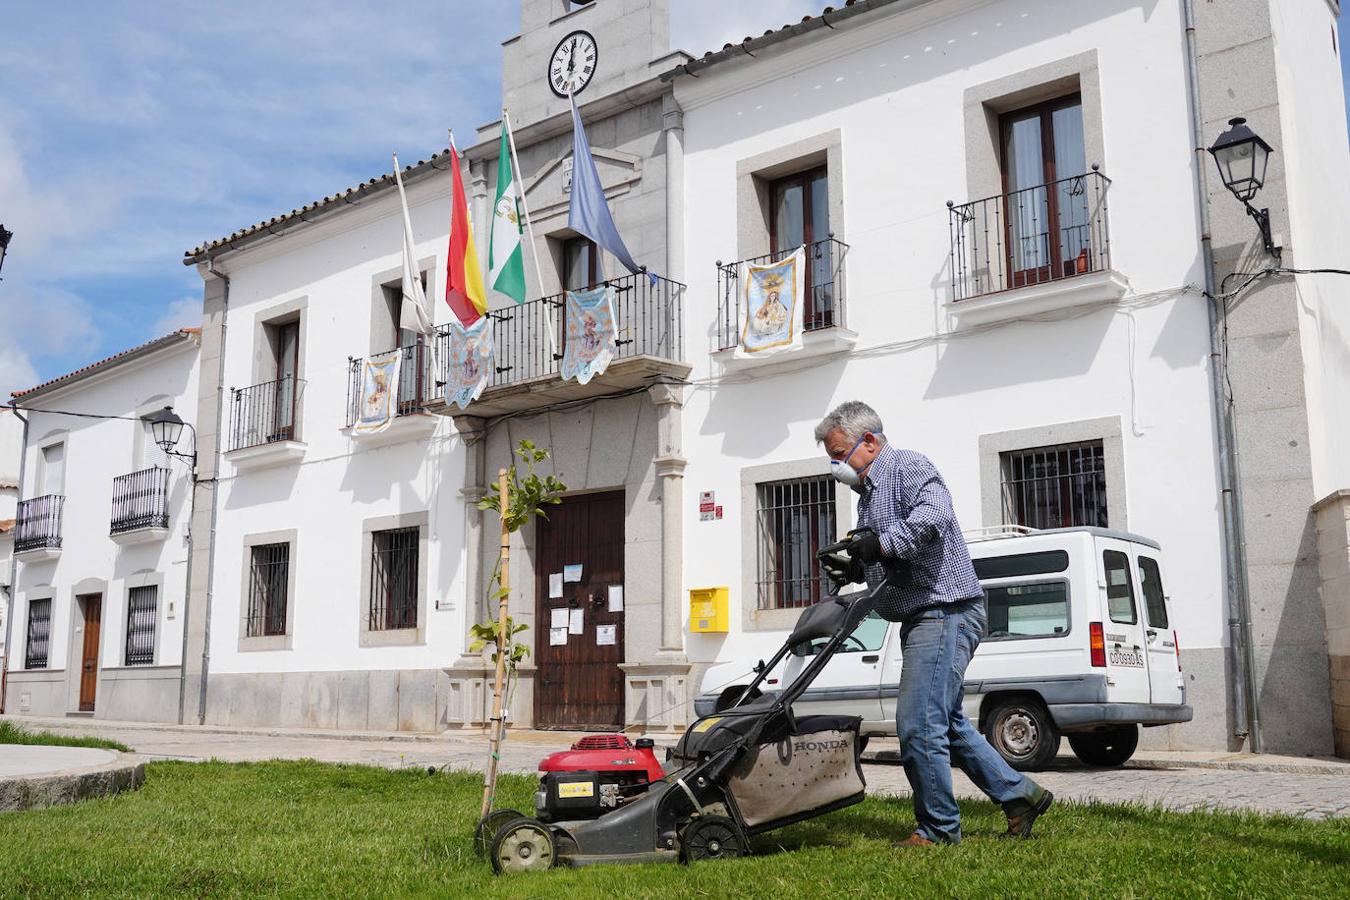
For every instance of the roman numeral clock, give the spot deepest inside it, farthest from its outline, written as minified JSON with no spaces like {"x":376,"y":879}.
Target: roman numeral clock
{"x":572,"y":64}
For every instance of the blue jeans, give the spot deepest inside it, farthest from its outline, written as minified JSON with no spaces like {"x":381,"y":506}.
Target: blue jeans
{"x":936,"y":646}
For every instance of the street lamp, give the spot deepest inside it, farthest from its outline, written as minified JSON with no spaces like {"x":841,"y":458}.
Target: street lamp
{"x":1242,"y":157}
{"x":5,"y":235}
{"x":166,"y":428}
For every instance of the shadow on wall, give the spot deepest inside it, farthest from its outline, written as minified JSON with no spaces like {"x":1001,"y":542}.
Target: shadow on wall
{"x":804,"y":398}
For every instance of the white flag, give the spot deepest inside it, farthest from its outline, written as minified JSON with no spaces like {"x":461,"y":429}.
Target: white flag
{"x":413,"y":314}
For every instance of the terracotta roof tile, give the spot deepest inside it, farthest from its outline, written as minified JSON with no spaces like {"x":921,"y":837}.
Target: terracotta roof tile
{"x":6,"y":526}
{"x":108,"y":361}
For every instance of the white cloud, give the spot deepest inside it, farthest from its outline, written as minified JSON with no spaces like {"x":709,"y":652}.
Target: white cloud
{"x":40,"y":321}
{"x":701,"y":25}
{"x":185,"y":312}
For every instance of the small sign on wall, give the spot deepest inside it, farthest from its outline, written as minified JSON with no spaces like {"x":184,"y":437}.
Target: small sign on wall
{"x":708,"y":510}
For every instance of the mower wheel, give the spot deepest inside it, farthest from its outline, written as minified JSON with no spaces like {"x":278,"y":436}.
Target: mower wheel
{"x":488,"y":825}
{"x":522,"y":845}
{"x":711,"y":837}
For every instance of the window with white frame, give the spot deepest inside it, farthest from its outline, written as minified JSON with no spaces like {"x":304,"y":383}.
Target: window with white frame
{"x":39,"y":633}
{"x":794,"y":519}
{"x":1058,"y":486}
{"x":269,"y":582}
{"x":142,"y":611}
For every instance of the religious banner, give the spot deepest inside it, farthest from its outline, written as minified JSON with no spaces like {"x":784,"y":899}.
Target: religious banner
{"x":379,"y":392}
{"x":469,"y":362}
{"x":590,"y":342}
{"x":772,"y":300}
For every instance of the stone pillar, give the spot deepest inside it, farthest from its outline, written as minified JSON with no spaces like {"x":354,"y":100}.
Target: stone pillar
{"x":1333,"y":554}
{"x":672,"y":121}
{"x":470,"y":675}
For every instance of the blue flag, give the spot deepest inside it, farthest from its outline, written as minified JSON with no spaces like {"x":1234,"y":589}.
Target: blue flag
{"x":588,"y":213}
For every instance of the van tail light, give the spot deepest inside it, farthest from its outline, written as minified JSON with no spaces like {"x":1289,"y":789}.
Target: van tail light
{"x":1177,"y":645}
{"x":1097,"y":644}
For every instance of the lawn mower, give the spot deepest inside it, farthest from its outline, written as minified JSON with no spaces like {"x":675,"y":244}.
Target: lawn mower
{"x":742,"y":771}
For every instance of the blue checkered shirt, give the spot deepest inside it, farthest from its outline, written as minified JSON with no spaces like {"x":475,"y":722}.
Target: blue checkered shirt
{"x":905,"y":501}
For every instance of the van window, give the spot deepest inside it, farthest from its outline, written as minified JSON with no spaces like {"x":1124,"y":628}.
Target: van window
{"x":1017,"y":565}
{"x":1040,"y":609}
{"x":866,"y":638}
{"x":1150,"y":582}
{"x":1119,"y":588}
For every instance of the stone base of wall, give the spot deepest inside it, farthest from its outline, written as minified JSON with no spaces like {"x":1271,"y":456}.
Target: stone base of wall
{"x":1340,"y":700}
{"x":1333,"y":566}
{"x":139,"y":694}
{"x":657,"y":695}
{"x":38,"y":692}
{"x":379,"y":700}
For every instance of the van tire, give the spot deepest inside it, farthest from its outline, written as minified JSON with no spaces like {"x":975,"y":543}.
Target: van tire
{"x":1106,"y":749}
{"x":1023,"y":733}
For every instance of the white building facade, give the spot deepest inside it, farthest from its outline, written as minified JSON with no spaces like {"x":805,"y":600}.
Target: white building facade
{"x":101,"y":540}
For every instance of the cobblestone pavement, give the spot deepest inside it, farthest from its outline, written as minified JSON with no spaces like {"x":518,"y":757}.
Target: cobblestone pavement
{"x":1317,"y":790}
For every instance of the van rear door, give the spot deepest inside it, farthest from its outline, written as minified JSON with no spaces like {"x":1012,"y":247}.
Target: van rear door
{"x":1127,"y":679}
{"x":1164,"y":668}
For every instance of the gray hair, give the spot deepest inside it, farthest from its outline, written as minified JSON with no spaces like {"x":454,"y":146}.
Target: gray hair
{"x":853,"y":417}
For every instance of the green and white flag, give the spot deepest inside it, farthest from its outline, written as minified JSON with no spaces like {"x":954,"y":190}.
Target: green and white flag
{"x":506,"y":261}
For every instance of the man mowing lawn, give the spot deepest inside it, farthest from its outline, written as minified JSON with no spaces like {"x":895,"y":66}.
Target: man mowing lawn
{"x":906,"y":523}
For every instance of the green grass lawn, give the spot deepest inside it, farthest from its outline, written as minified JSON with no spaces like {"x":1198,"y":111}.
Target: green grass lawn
{"x":312,"y":829}
{"x":13,"y":734}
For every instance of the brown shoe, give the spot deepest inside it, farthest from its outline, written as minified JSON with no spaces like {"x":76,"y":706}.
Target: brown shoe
{"x":1019,"y":826}
{"x":914,"y":840}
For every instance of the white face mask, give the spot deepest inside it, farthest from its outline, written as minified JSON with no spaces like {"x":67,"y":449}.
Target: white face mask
{"x":843,"y":472}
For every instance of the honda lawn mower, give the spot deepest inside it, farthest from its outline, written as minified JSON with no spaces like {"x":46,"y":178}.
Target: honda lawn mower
{"x":745,"y":770}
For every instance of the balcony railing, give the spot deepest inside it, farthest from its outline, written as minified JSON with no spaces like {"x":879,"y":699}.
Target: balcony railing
{"x":824,"y":301}
{"x":38,"y":523}
{"x":420,"y":380}
{"x":649,"y":321}
{"x":140,"y":500}
{"x":1032,"y":236}
{"x":265,"y":413}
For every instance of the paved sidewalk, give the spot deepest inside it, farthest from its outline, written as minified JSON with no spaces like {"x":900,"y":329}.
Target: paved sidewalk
{"x":1310,"y":788}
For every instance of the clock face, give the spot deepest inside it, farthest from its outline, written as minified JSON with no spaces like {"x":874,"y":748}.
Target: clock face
{"x":572,"y":64}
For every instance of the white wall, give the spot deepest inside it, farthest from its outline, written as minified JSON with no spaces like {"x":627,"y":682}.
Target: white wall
{"x":1316,"y":155}
{"x":895,"y":91}
{"x":339,"y":484}
{"x":97,"y":451}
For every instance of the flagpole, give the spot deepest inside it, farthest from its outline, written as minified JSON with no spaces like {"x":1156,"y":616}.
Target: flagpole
{"x":529,"y":223}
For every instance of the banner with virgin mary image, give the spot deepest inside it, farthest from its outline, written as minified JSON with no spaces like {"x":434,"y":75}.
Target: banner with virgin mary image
{"x":590,"y":334}
{"x":771,"y":307}
{"x":379,"y":392}
{"x":469,"y":361}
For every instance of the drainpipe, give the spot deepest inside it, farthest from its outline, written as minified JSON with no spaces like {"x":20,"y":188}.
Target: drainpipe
{"x":1242,"y":664}
{"x":214,"y":481}
{"x":13,"y":570}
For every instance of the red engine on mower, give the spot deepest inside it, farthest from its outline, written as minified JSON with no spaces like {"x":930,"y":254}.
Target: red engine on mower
{"x":600,"y":773}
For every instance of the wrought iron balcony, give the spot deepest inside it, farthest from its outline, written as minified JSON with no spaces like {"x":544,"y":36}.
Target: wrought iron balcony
{"x":420,"y":380}
{"x":37,"y":526}
{"x":140,"y":501}
{"x":823,"y":305}
{"x":649,"y":331}
{"x":265,"y":413}
{"x":1033,"y":236}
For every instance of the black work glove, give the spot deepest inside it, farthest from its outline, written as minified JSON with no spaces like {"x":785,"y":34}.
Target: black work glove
{"x":864,"y":545}
{"x":841,"y":567}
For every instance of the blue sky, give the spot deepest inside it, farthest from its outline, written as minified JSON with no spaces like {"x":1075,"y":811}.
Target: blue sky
{"x":131,"y":132}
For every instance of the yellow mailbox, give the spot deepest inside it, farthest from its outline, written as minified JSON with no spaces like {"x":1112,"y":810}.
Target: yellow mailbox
{"x":708,"y":610}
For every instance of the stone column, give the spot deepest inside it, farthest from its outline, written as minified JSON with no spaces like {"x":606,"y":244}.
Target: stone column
{"x":672,"y":121}
{"x":470,"y":674}
{"x":1333,"y":554}
{"x":670,"y":463}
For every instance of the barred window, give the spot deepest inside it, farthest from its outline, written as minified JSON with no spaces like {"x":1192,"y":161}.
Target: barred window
{"x":1055,"y":487}
{"x":39,"y":633}
{"x":142,"y":604}
{"x":795,"y":518}
{"x":393,"y":579}
{"x":269,"y":574}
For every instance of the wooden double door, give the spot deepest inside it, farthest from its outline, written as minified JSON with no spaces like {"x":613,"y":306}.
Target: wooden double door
{"x":579,"y":564}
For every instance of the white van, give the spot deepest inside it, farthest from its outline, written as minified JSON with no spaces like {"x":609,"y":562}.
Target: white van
{"x":1080,"y":643}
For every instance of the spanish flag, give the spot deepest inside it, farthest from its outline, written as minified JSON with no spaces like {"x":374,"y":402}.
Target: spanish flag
{"x":464,"y":279}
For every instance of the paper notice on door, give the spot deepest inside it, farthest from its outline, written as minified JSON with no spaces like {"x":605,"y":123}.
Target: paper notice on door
{"x":605,"y":635}
{"x":555,"y":584}
{"x":616,"y":598}
{"x":557,"y":637}
{"x":576,"y":623}
{"x":572,"y":573}
{"x":558,"y":617}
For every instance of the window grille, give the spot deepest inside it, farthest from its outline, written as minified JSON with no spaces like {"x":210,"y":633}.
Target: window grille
{"x":142,"y":603}
{"x":39,"y":633}
{"x":393,"y":579}
{"x":269,"y":573}
{"x":1055,"y":487}
{"x":795,"y":518}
